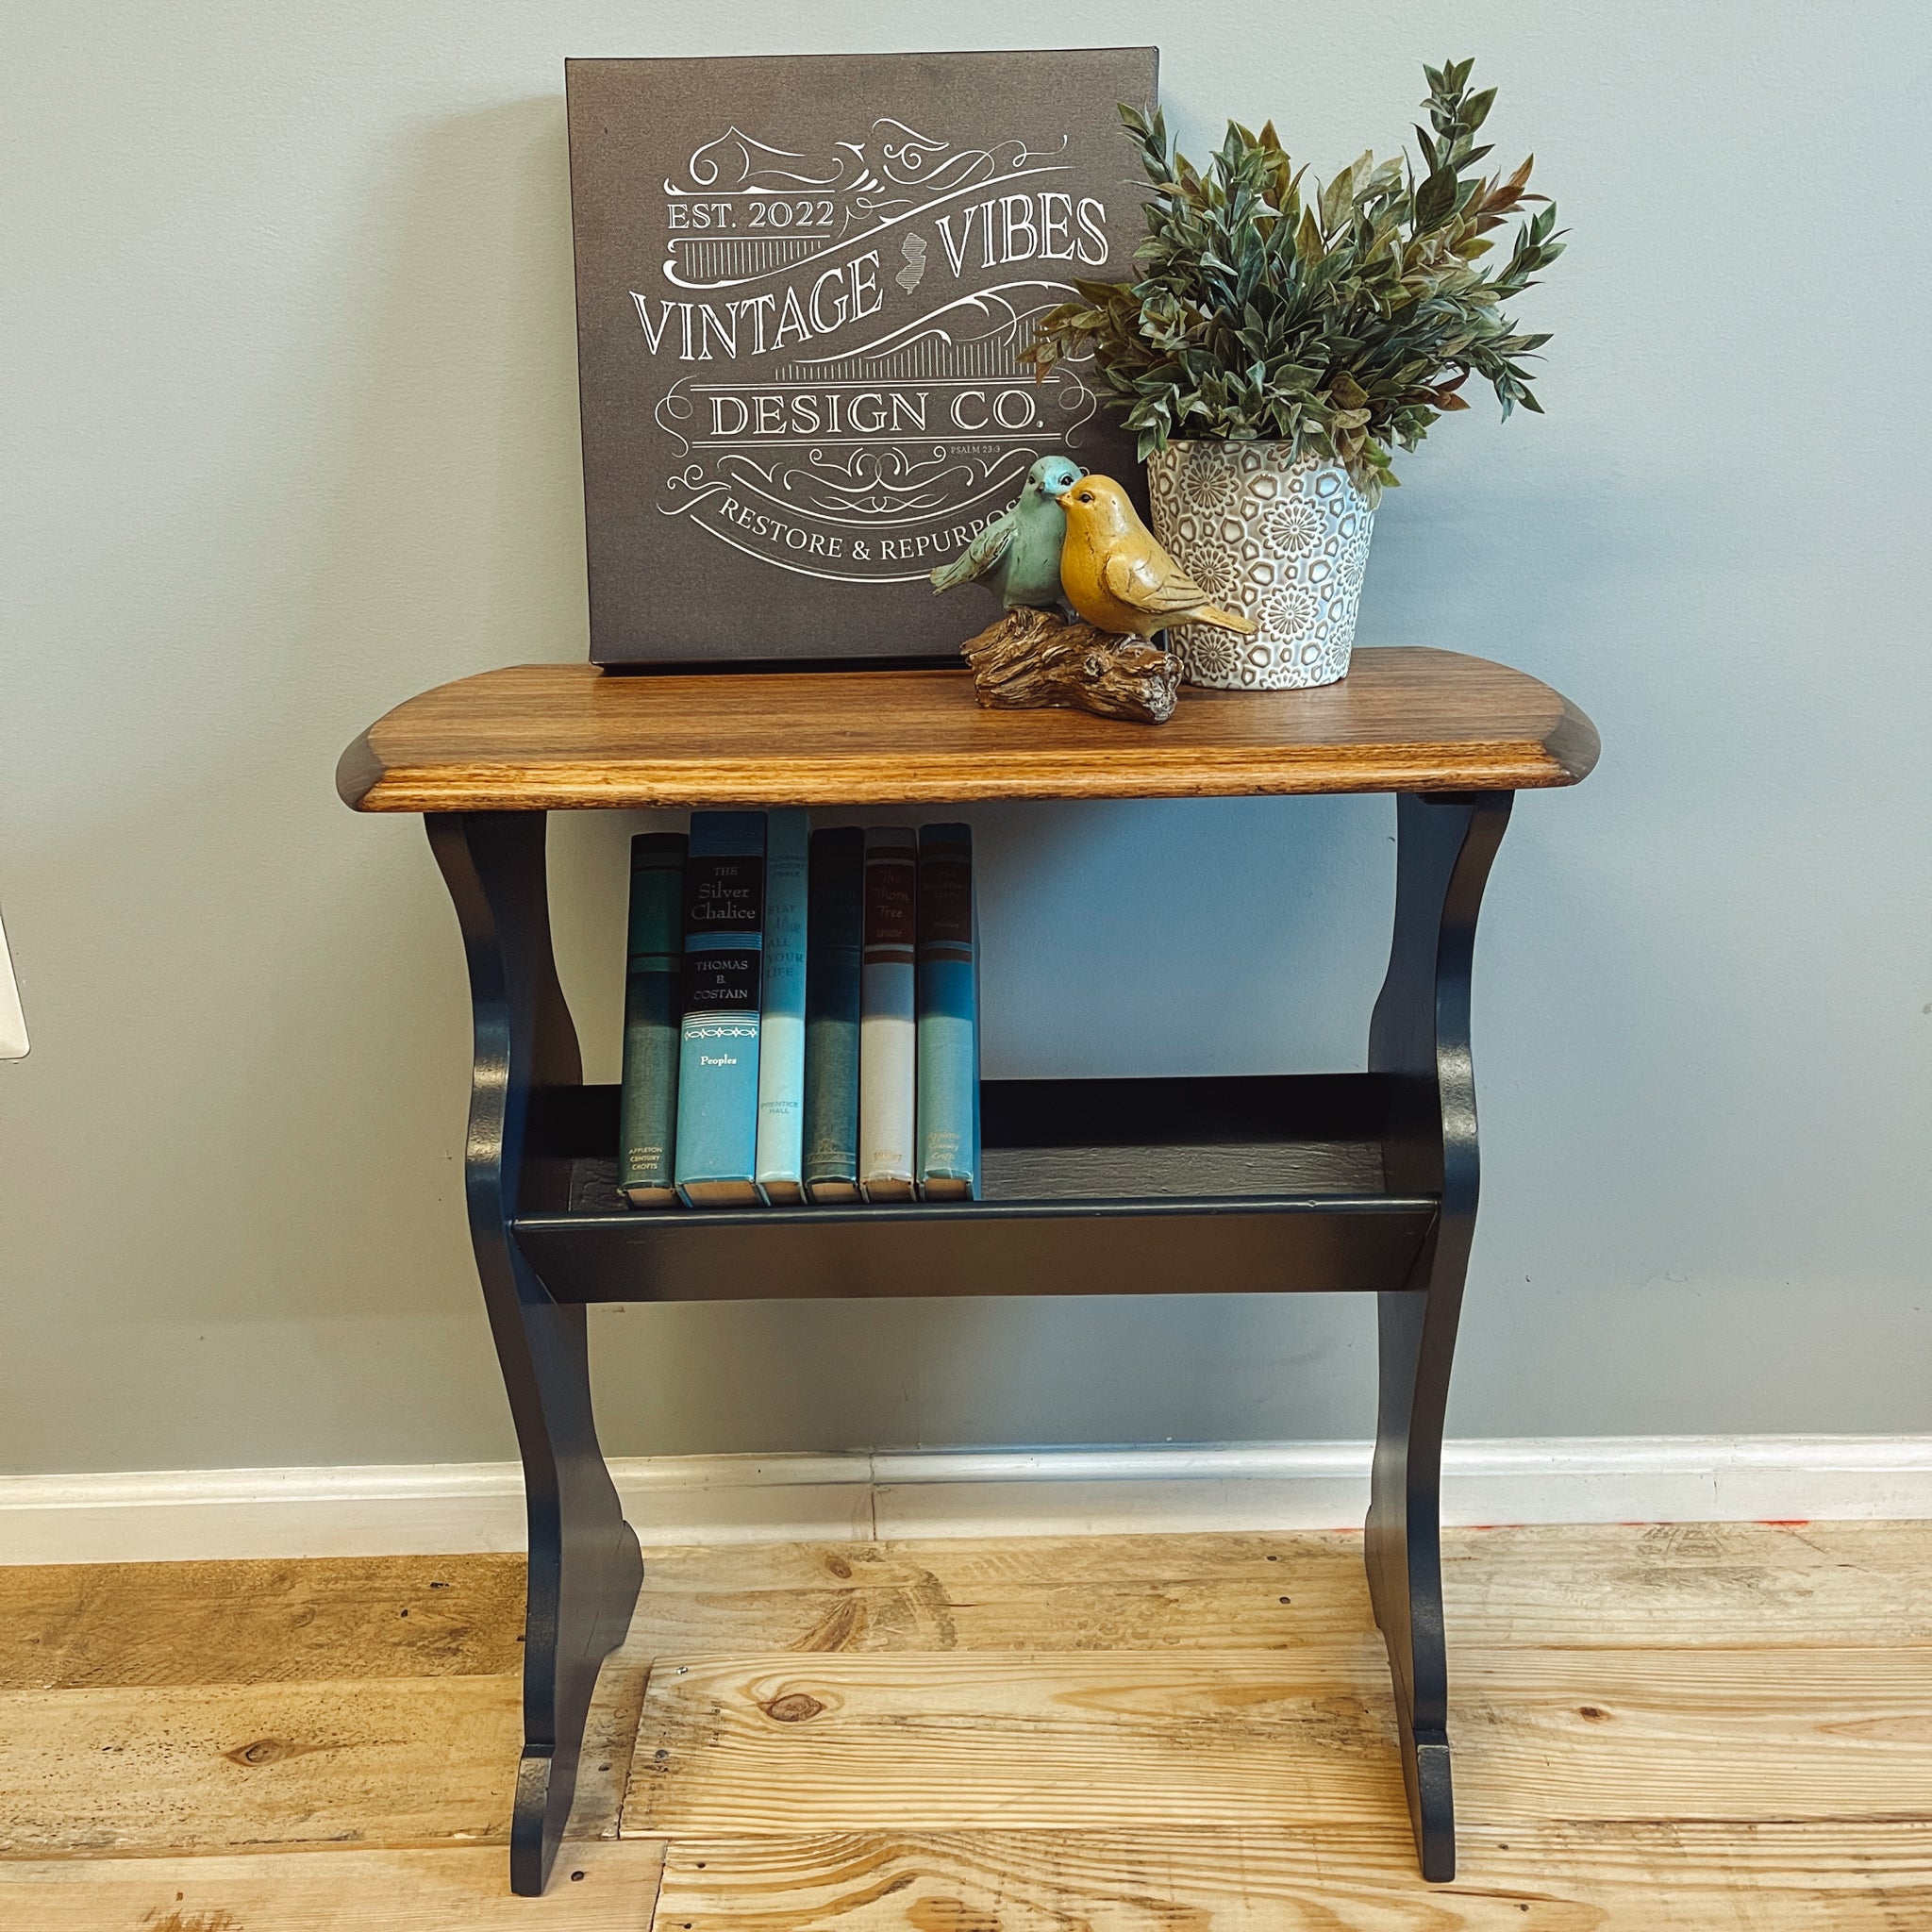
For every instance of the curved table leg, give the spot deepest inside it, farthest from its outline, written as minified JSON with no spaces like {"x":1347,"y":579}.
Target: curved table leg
{"x":1419,"y":1036}
{"x":585,"y":1571}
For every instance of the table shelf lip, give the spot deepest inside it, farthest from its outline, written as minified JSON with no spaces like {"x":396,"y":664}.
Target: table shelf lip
{"x":1349,"y":1203}
{"x":813,"y":739}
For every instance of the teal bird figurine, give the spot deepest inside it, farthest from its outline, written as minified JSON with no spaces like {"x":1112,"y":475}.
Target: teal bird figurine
{"x":1017,"y":557}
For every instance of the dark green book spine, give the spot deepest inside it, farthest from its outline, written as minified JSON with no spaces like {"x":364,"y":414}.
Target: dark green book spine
{"x":652,"y":1011}
{"x":834,"y":939}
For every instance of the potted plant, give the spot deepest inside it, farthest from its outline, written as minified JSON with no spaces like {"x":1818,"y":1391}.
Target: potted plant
{"x":1279,"y":345}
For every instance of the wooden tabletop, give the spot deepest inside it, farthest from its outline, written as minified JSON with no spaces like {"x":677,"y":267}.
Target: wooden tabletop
{"x":556,"y":737}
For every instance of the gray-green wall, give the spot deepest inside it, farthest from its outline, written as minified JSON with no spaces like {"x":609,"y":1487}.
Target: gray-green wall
{"x":290,"y":433}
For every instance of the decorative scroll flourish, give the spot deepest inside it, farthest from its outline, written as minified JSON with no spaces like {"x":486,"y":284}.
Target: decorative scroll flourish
{"x":735,"y":162}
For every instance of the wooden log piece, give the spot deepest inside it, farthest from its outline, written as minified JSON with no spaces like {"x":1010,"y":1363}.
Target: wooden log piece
{"x":1035,"y":661}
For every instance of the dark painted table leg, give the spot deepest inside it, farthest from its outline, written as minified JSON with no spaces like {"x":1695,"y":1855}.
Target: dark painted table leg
{"x":584,"y":1570}
{"x":1420,"y":1035}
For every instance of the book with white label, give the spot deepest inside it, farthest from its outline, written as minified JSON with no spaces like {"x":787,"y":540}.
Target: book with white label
{"x":718,"y":1044}
{"x":781,"y":1011}
{"x":948,"y":986}
{"x":888,"y":1037}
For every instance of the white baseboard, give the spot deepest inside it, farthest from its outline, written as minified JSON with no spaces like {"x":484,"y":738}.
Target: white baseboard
{"x":444,"y":1508}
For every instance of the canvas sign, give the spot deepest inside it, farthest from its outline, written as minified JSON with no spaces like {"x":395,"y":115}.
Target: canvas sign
{"x":804,"y":285}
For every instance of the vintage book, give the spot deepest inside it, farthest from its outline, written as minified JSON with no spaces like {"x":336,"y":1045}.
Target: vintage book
{"x":781,"y":1011}
{"x":948,"y":994}
{"x":888,"y":1038}
{"x":834,"y":935}
{"x":804,"y":286}
{"x":653,"y":981}
{"x":718,"y":1045}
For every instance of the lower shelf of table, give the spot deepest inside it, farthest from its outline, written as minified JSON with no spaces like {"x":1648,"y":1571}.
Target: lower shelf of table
{"x":1266,"y":1184}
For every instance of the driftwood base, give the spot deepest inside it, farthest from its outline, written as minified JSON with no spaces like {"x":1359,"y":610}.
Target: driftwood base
{"x":1035,"y":661}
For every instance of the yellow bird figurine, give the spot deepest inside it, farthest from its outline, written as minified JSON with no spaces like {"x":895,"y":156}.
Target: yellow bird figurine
{"x":1118,"y":577}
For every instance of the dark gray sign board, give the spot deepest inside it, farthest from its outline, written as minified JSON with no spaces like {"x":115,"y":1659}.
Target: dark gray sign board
{"x":803,"y":285}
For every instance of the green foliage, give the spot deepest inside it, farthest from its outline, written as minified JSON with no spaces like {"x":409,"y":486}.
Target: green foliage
{"x":1343,"y":321}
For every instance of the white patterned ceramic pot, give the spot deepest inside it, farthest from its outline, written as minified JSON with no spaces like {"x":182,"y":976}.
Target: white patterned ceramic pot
{"x":1284,"y":543}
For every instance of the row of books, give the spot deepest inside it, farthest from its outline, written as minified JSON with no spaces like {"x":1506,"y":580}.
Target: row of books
{"x":801,"y":1016}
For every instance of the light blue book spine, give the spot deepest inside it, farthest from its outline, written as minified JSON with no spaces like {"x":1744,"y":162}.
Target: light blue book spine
{"x":948,"y":971}
{"x":888,"y":1019}
{"x":781,"y":1010}
{"x":718,"y":1043}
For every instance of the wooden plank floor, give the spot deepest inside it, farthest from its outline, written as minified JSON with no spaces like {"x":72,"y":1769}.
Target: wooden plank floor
{"x":1675,"y":1728}
{"x":1620,"y":1878}
{"x":981,"y":1740}
{"x":449,"y":1889}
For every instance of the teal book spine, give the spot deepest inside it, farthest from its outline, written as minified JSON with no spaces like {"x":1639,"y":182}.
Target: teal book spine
{"x":888,"y":1085}
{"x":718,"y":1045}
{"x":779,"y":1172}
{"x":653,"y":982}
{"x":948,"y":996}
{"x":834,"y":938}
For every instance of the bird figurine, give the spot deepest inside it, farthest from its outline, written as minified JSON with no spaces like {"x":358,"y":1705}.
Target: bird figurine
{"x":1118,"y":577}
{"x":1017,"y":557}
